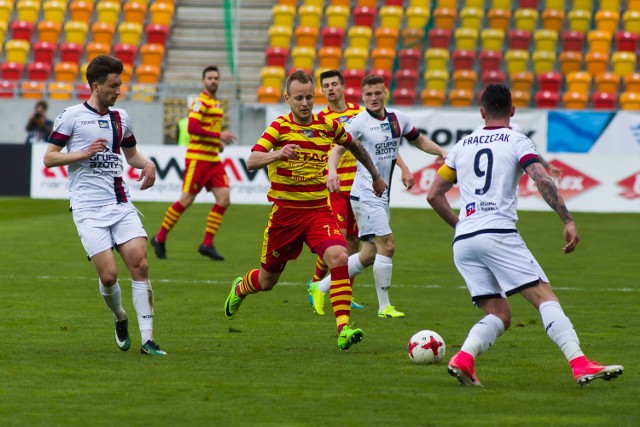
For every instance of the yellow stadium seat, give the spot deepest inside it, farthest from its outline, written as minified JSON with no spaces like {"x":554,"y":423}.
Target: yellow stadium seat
{"x":355,"y":58}
{"x":32,"y":90}
{"x":580,"y":20}
{"x":27,"y":10}
{"x":65,"y":71}
{"x":382,"y":59}
{"x":436,"y":59}
{"x":283,"y":15}
{"x":553,"y":20}
{"x":54,"y":11}
{"x":303,"y":57}
{"x":607,"y":83}
{"x":280,"y":36}
{"x":83,"y":71}
{"x":460,"y":98}
{"x":360,"y":37}
{"x":60,"y":90}
{"x":471,"y":17}
{"x":17,"y":51}
{"x":607,"y":20}
{"x":570,"y":61}
{"x":631,"y":20}
{"x":108,"y":11}
{"x":420,"y":3}
{"x":81,"y":10}
{"x":95,"y":49}
{"x":75,"y":31}
{"x":492,"y":39}
{"x":417,"y":17}
{"x":501,"y":4}
{"x":630,"y":101}
{"x":309,"y":16}
{"x":329,"y":57}
{"x":436,"y":79}
{"x":465,"y":79}
{"x":543,"y":61}
{"x":269,"y":95}
{"x":103,"y":32}
{"x":466,"y":38}
{"x":623,"y":63}
{"x":444,"y":18}
{"x":144,"y":92}
{"x":161,"y":13}
{"x":6,"y":9}
{"x":135,"y":11}
{"x":391,"y":17}
{"x":599,"y":41}
{"x":272,"y":77}
{"x":147,"y":73}
{"x":337,"y":16}
{"x":387,"y":38}
{"x":306,"y":36}
{"x":451,"y":4}
{"x":130,"y":33}
{"x":152,"y":54}
{"x":522,"y":81}
{"x":3,"y":31}
{"x":575,"y":100}
{"x":610,"y":5}
{"x":499,"y":18}
{"x":49,"y":31}
{"x":526,"y":19}
{"x":554,"y":5}
{"x":545,"y":40}
{"x":516,"y":61}
{"x":596,"y":63}
{"x":583,"y":4}
{"x":579,"y":81}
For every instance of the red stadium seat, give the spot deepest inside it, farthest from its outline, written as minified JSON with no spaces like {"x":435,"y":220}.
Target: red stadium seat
{"x":157,"y":33}
{"x":276,"y":56}
{"x":519,"y":39}
{"x":627,"y":41}
{"x":403,"y":96}
{"x":125,"y":52}
{"x":572,"y":40}
{"x":38,"y":71}
{"x":332,"y":36}
{"x":493,"y":77}
{"x":70,"y":52}
{"x":407,"y":79}
{"x":384,"y":73}
{"x":11,"y":71}
{"x":7,"y":89}
{"x":83,"y":91}
{"x":353,"y":94}
{"x":463,"y":60}
{"x":353,"y":78}
{"x":544,"y":99}
{"x":409,"y":58}
{"x":22,"y":30}
{"x":604,"y":101}
{"x":440,"y":37}
{"x":490,"y":60}
{"x":550,"y":82}
{"x":44,"y":52}
{"x":364,"y":16}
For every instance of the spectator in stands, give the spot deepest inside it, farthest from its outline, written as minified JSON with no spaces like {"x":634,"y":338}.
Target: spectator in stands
{"x":39,"y":126}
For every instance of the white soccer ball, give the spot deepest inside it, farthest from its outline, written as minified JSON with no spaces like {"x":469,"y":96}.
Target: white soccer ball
{"x":426,"y":347}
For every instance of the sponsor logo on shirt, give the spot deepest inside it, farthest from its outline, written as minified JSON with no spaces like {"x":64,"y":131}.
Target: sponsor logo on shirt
{"x":471,"y":208}
{"x":104,"y":124}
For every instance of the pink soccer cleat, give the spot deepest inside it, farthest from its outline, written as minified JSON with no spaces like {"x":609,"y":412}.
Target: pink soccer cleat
{"x":461,"y":366}
{"x":585,"y":370}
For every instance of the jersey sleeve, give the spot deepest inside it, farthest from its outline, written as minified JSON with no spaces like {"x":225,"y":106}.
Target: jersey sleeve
{"x":342,"y":137}
{"x":128,"y":140}
{"x":408,"y":130}
{"x":269,"y":138}
{"x":62,"y":129}
{"x":354,"y":128}
{"x":526,"y":151}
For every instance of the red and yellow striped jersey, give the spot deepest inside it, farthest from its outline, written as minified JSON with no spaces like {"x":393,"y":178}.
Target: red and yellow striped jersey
{"x":208,"y":112}
{"x":347,"y":167}
{"x":301,"y":182}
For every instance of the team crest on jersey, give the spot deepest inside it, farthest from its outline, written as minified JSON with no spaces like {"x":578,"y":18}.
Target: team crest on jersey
{"x":196,"y":106}
{"x":308,"y":133}
{"x":343,"y":119}
{"x":470,"y":208}
{"x":104,"y":124}
{"x":117,"y":126}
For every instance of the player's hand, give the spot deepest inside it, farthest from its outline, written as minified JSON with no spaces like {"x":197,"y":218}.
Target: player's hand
{"x":571,"y":237}
{"x":333,"y":182}
{"x":379,"y":186}
{"x":289,"y":152}
{"x":97,"y":146}
{"x":148,"y":175}
{"x":440,"y":159}
{"x":407,"y":179}
{"x":228,"y":137}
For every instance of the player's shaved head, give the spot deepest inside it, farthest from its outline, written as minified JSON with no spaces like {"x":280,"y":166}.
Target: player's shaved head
{"x":496,"y":100}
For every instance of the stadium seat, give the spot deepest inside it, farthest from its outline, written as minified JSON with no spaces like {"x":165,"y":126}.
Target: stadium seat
{"x":406,"y":79}
{"x":386,"y":77}
{"x":607,"y":83}
{"x":450,"y":3}
{"x":436,"y":59}
{"x":32,"y":90}
{"x":3,"y":31}
{"x":353,"y":77}
{"x":550,"y":81}
{"x":543,"y":61}
{"x":17,"y":51}
{"x":521,"y":99}
{"x":356,"y":58}
{"x":460,"y":98}
{"x":306,"y":36}
{"x":276,"y":57}
{"x":83,"y":71}
{"x":135,"y":11}
{"x":492,"y":77}
{"x":623,"y":63}
{"x":353,"y":94}
{"x":465,"y":38}
{"x":403,"y":96}
{"x":49,"y":31}
{"x":345,"y":3}
{"x":161,"y":13}
{"x":102,"y":32}
{"x":432,"y":97}
{"x":272,"y":77}
{"x":632,"y":82}
{"x":27,"y":10}
{"x":22,"y":30}
{"x":329,"y":57}
{"x":152,"y":54}
{"x":553,"y":20}
{"x":499,"y":19}
{"x":280,"y":36}
{"x":583,"y":4}
{"x":526,"y":19}
{"x":633,"y":5}
{"x":6,"y":10}
{"x":44,"y":52}
{"x":599,"y":41}
{"x":631,"y":19}
{"x":65,"y":71}
{"x":521,"y":81}
{"x":7,"y":89}
{"x":463,"y":60}
{"x":500,"y":4}
{"x":596,"y":63}
{"x":490,"y":60}
{"x":127,"y":72}
{"x":516,"y":61}
{"x":391,"y":17}
{"x":492,"y":39}
{"x":545,"y":99}
{"x":626,"y":41}
{"x":575,"y":100}
{"x":572,"y":40}
{"x":59,"y":90}
{"x":471,"y":17}
{"x":364,"y":16}
{"x":579,"y":81}
{"x":70,"y":52}
{"x":440,"y":38}
{"x":83,"y":91}
{"x":319,"y":98}
{"x":309,"y":16}
{"x":157,"y":33}
{"x":382,"y":58}
{"x":417,"y":17}
{"x":283,"y":15}
{"x":11,"y":71}
{"x":579,"y":20}
{"x":144,"y":92}
{"x":554,"y":5}
{"x":94,"y":49}
{"x":317,"y":3}
{"x":332,"y":36}
{"x":444,"y":18}
{"x":519,"y":39}
{"x":545,"y":40}
{"x":303,"y":57}
{"x":409,"y":58}
{"x":465,"y":79}
{"x":337,"y":16}
{"x":75,"y":31}
{"x":54,"y":11}
{"x":607,"y":20}
{"x":81,"y":10}
{"x":386,"y":38}
{"x":147,"y":74}
{"x":436,"y":80}
{"x":604,"y":101}
{"x":412,"y":37}
{"x":108,"y":11}
{"x":629,"y":101}
{"x":130,"y":33}
{"x":570,"y":61}
{"x":366,"y":3}
{"x":360,"y":37}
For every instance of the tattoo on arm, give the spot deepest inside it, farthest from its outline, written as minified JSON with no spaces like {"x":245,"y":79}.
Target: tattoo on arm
{"x":549,"y":191}
{"x":361,"y":154}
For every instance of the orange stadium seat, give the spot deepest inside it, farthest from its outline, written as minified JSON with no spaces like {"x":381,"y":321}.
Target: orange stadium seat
{"x":364,"y":16}
{"x":60,"y":90}
{"x":436,"y":59}
{"x":626,"y":41}
{"x":623,"y":63}
{"x":366,"y":3}
{"x":345,"y":3}
{"x":147,"y":74}
{"x":94,"y":49}
{"x":499,"y":19}
{"x":75,"y":31}
{"x":70,"y":52}
{"x":161,"y":13}
{"x":27,"y":10}
{"x":272,"y":77}
{"x":283,"y":15}
{"x":81,"y":10}
{"x":575,"y":100}
{"x":604,"y":101}
{"x":54,"y":11}
{"x":280,"y":36}
{"x":607,"y":83}
{"x":127,"y":72}
{"x":49,"y":31}
{"x":332,"y":36}
{"x":579,"y":81}
{"x":597,"y":62}
{"x":432,"y":97}
{"x":355,"y":58}
{"x":337,"y":16}
{"x":632,"y":82}
{"x":463,"y":59}
{"x":607,"y":20}
{"x":492,"y":39}
{"x":65,"y":71}
{"x":157,"y":33}
{"x":17,"y":51}
{"x":460,"y":98}
{"x":436,"y":79}
{"x":521,"y":81}
{"x":360,"y":37}
{"x":276,"y":57}
{"x":471,"y":17}
{"x":490,"y":60}
{"x":465,"y":79}
{"x":43,"y":52}
{"x":553,"y":20}
{"x":631,"y":19}
{"x":544,"y":99}
{"x":22,"y":30}
{"x":633,"y":4}
{"x":445,"y":18}
{"x":521,"y":99}
{"x":386,"y":38}
{"x":466,"y":38}
{"x":32,"y":90}
{"x":580,"y":20}
{"x":412,"y":37}
{"x":382,"y":58}
{"x":629,"y":101}
{"x":135,"y":11}
{"x":108,"y":11}
{"x":409,"y":58}
{"x":309,"y":16}
{"x":570,"y":61}
{"x":519,"y":39}
{"x":130,"y":33}
{"x":406,"y":78}
{"x":319,"y":97}
{"x":391,"y":16}
{"x":572,"y":40}
{"x":152,"y":54}
{"x":526,"y":19}
{"x":599,"y":41}
{"x":102,"y":32}
{"x":550,"y":82}
{"x":11,"y":71}
{"x":329,"y":57}
{"x":417,"y":17}
{"x":404,"y":96}
{"x":440,"y":37}
{"x":306,"y":36}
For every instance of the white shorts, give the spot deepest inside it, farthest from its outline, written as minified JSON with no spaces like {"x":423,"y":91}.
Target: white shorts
{"x":106,"y":227}
{"x":496,"y":265}
{"x":372,"y":217}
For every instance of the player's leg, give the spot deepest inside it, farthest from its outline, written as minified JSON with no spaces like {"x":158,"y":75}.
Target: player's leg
{"x":382,"y":271}
{"x":353,"y":243}
{"x":254,"y":281}
{"x":170,"y":219}
{"x":220,"y":190}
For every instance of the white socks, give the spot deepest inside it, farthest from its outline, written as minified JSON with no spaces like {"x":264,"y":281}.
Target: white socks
{"x":382,"y":268}
{"x":355,"y":268}
{"x":560,"y":330}
{"x":482,"y":335}
{"x":143,"y":303}
{"x":113,"y":298}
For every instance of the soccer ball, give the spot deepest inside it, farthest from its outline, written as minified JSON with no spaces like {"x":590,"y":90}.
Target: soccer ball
{"x":426,"y":347}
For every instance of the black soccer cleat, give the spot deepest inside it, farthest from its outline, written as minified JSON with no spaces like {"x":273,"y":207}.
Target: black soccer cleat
{"x":159,"y":248}
{"x":122,"y":335}
{"x":210,"y":251}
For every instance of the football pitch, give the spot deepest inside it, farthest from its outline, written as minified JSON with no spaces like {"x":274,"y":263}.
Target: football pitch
{"x":277,"y":363}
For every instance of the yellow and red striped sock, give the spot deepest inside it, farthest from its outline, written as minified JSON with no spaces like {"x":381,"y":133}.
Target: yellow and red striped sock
{"x":171,"y":217}
{"x":321,"y":270}
{"x":214,"y":219}
{"x":340,"y":293}
{"x":250,"y":284}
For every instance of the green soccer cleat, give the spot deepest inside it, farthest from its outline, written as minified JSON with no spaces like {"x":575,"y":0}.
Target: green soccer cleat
{"x":316,"y":298}
{"x":389,"y":312}
{"x":152,"y":349}
{"x":123,"y":341}
{"x":232,"y":304}
{"x":354,"y":304}
{"x":349,"y":336}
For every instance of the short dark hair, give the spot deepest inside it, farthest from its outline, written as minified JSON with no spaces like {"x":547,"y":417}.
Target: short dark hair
{"x":496,"y":100}
{"x":101,"y":66}
{"x":372,"y":79}
{"x":42,"y":103}
{"x":298,"y":76}
{"x":210,"y":68}
{"x":331,"y":73}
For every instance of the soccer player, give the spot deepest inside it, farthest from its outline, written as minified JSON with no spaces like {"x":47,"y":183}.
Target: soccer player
{"x":380,"y":130}
{"x":295,"y":148}
{"x":487,"y":249}
{"x":203,"y":168}
{"x":96,"y":137}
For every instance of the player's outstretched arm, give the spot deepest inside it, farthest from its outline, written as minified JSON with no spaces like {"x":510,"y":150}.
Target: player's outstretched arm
{"x":361,"y":155}
{"x":55,"y":157}
{"x":407,"y":177}
{"x":333,"y":179}
{"x":428,"y":146}
{"x":549,"y":192}
{"x":439,"y":202}
{"x":260,"y":159}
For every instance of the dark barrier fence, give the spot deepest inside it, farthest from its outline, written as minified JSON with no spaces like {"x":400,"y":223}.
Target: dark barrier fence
{"x":15,"y":169}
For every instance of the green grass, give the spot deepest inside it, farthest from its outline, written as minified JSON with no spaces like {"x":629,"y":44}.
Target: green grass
{"x":278,"y":363}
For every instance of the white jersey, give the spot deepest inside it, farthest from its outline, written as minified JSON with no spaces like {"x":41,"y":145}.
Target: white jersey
{"x":381,"y":138}
{"x":488,"y":165}
{"x":96,"y":181}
